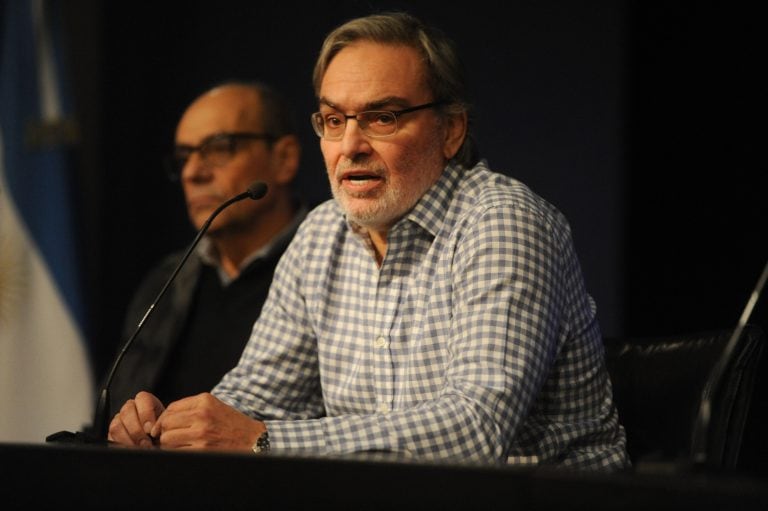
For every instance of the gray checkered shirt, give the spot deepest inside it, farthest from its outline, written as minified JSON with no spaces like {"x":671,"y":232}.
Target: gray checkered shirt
{"x":474,"y":340}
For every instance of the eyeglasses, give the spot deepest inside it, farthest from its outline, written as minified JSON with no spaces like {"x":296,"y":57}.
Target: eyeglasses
{"x":373,"y":123}
{"x":215,"y":150}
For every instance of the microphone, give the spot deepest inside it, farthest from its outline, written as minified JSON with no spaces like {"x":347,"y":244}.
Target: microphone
{"x":701,"y":424}
{"x":102,"y":415}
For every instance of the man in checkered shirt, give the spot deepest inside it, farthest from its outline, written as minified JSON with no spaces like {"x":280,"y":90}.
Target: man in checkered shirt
{"x":432,"y":309}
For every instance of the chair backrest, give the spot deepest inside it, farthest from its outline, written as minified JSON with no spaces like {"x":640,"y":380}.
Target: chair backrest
{"x":658,"y":384}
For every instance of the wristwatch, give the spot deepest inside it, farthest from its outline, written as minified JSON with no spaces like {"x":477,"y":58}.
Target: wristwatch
{"x":262,"y":443}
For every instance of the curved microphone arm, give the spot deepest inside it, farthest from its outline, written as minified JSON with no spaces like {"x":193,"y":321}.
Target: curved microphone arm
{"x":102,"y":415}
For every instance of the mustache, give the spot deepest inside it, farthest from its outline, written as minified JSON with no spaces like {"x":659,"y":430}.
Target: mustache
{"x":359,"y":164}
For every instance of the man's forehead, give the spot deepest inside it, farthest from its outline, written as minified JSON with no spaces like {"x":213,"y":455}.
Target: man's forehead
{"x":371,"y":74}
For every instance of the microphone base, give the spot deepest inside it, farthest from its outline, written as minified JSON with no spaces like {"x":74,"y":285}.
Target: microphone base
{"x":78,"y":437}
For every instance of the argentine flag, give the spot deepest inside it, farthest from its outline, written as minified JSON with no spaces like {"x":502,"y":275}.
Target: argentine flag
{"x":46,"y":384}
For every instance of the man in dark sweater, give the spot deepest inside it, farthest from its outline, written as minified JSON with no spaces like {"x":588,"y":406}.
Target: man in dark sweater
{"x":229,"y":137}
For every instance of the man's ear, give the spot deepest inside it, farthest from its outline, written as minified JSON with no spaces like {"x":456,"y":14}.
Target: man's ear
{"x":286,"y":155}
{"x":456,"y":131}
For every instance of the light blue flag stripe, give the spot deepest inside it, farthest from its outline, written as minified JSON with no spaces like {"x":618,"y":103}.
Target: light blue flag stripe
{"x":37,"y":146}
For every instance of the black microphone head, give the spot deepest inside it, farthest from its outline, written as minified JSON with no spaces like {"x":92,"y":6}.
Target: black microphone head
{"x":257,"y":190}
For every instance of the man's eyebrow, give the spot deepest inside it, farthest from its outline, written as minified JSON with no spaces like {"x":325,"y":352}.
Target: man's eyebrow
{"x":379,"y":104}
{"x":388,"y":102}
{"x":324,"y":101}
{"x":205,"y":140}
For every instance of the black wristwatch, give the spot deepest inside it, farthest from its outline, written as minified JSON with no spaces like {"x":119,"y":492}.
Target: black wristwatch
{"x":262,"y":443}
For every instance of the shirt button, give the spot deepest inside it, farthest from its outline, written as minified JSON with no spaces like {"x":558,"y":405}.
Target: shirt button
{"x":380,"y":342}
{"x":382,"y":408}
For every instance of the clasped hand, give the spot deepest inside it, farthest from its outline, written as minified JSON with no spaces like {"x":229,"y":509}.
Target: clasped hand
{"x":197,"y":422}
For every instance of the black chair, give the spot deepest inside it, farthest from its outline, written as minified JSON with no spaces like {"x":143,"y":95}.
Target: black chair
{"x":657,"y":387}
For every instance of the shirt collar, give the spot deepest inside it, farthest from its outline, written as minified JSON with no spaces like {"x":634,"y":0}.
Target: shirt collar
{"x":209,"y":255}
{"x":429,"y":211}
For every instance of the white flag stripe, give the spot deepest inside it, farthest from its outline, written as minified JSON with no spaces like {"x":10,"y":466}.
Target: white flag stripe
{"x":43,"y":362}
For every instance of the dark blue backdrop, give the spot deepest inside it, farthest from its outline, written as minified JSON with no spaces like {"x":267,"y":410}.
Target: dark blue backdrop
{"x":638,"y":120}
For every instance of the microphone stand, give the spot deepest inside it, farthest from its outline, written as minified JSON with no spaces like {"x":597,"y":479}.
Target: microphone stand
{"x":103,"y":414}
